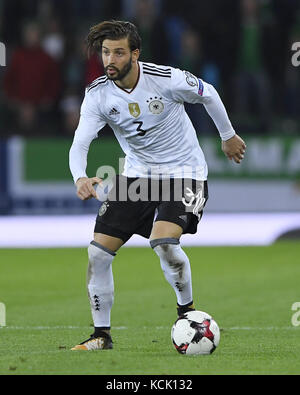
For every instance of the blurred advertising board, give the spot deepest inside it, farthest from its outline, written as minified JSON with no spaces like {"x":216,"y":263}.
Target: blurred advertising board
{"x":35,"y":176}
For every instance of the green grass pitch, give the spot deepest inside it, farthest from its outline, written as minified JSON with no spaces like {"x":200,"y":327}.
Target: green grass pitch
{"x":248,"y":290}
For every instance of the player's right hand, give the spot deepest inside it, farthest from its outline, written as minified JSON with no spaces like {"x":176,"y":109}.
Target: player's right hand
{"x":85,"y":189}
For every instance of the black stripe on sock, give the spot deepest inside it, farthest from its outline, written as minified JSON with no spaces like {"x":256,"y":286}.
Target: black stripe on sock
{"x":94,"y":243}
{"x":166,"y":240}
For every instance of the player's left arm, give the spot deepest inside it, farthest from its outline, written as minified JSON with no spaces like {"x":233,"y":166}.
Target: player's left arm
{"x":233,"y":145}
{"x":188,"y":88}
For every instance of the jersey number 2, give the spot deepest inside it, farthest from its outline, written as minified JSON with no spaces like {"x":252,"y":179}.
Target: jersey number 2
{"x":139,"y":128}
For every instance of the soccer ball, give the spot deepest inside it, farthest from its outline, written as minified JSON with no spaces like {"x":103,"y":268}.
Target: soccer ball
{"x":195,"y":332}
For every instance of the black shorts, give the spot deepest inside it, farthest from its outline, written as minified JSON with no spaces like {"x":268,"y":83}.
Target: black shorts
{"x":134,"y":203}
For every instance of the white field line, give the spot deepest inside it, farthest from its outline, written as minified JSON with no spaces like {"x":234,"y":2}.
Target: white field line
{"x":234,"y":328}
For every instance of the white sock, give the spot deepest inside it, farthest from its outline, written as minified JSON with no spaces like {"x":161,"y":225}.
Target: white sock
{"x":100,"y":283}
{"x":176,"y":267}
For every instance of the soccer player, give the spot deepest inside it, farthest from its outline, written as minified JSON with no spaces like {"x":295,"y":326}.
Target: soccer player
{"x":143,"y":103}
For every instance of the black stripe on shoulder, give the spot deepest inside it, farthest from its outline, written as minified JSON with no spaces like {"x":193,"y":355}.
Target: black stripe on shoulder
{"x":99,"y":79}
{"x":103,"y":77}
{"x":157,"y":71}
{"x":158,"y":75}
{"x":89,"y":87}
{"x":156,"y":68}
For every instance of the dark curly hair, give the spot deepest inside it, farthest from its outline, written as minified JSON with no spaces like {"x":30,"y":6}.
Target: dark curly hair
{"x":112,"y":30}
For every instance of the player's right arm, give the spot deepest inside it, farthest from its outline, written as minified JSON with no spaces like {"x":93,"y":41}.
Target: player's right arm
{"x":90,"y":124}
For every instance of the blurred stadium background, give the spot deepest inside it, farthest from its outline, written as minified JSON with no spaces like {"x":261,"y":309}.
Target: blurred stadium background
{"x":242,"y":47}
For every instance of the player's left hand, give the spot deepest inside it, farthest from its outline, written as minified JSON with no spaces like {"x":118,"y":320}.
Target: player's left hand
{"x":234,"y":148}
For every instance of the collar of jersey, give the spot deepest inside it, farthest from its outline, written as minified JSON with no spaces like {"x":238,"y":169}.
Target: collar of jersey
{"x":137,"y":81}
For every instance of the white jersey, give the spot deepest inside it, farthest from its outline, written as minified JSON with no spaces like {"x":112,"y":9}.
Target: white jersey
{"x":150,"y":123}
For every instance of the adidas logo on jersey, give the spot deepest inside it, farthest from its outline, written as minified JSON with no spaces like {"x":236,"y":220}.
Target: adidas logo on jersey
{"x":114,"y":111}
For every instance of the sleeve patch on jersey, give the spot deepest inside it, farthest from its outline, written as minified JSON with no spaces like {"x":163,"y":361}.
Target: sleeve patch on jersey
{"x":201,"y":87}
{"x":190,"y":79}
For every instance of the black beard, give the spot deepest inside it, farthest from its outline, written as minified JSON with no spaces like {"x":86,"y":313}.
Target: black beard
{"x":120,"y":73}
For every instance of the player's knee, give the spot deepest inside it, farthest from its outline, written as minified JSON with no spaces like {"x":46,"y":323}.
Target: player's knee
{"x":165,"y":247}
{"x":99,"y":253}
{"x":171,"y":256}
{"x":100,"y":267}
